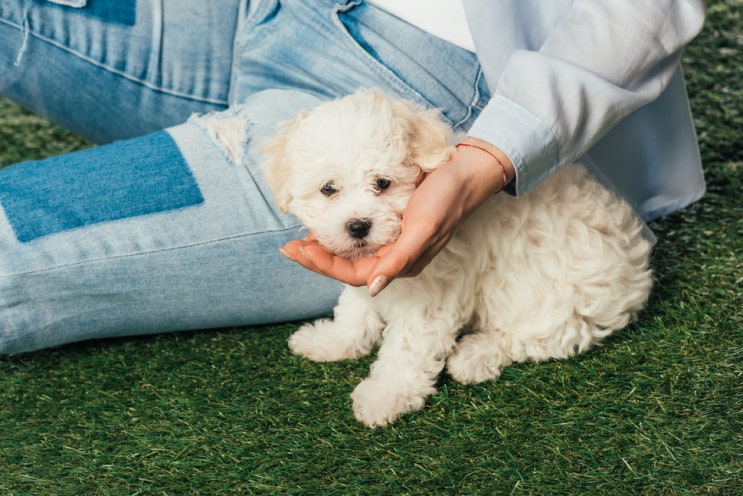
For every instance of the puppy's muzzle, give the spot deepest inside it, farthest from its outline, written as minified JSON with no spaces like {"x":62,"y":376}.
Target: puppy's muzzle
{"x":358,"y":228}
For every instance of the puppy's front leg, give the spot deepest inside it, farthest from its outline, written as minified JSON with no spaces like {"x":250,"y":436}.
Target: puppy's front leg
{"x":408,"y":365}
{"x":352,"y":333}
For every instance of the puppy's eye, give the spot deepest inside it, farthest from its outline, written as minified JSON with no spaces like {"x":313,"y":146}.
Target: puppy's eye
{"x":382,"y":183}
{"x":328,"y":189}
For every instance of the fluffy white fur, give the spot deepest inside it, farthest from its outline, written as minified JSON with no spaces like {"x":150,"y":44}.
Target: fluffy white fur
{"x":546,"y":275}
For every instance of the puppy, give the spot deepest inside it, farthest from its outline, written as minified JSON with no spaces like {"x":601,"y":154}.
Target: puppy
{"x":546,"y":275}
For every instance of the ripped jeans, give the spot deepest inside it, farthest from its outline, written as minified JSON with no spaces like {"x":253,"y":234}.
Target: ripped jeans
{"x":168,"y":225}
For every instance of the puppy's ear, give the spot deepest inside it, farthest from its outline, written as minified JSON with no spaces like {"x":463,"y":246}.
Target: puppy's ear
{"x":428,"y":137}
{"x":277,"y":168}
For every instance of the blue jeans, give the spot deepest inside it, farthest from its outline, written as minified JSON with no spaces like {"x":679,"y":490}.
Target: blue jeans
{"x":167,"y":226}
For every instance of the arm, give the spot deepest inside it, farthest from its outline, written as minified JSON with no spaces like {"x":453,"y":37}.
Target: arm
{"x":600,"y":62}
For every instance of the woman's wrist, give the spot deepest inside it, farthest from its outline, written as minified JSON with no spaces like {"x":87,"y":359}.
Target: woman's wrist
{"x":488,"y":163}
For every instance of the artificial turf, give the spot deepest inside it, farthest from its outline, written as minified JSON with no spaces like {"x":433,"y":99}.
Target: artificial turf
{"x":657,"y":410}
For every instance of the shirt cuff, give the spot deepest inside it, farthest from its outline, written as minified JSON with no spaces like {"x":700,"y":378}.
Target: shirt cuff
{"x":527,"y":141}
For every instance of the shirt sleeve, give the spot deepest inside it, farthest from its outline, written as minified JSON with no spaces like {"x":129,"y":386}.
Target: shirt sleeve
{"x":601,"y":61}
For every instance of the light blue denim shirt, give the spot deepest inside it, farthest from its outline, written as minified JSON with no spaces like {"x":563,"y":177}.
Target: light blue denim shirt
{"x":594,"y":80}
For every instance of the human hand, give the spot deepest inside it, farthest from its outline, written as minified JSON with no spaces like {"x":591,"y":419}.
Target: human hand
{"x":438,"y":206}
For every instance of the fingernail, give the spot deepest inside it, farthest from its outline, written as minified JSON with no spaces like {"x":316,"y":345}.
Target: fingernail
{"x":378,"y":285}
{"x":287,"y":254}
{"x":303,"y":253}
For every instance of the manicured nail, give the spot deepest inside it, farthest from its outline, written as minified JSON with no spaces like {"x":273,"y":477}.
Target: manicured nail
{"x":378,"y":285}
{"x":304,"y":253}
{"x":287,"y":254}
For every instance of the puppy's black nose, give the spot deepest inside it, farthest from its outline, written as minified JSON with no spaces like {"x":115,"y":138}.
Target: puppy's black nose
{"x":358,"y":228}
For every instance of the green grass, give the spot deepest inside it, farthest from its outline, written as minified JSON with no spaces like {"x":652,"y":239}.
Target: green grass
{"x":658,"y":410}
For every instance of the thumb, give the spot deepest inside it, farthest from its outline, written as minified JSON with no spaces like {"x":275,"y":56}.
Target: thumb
{"x":393,"y":260}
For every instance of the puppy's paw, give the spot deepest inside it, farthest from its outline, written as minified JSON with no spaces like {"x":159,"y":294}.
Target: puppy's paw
{"x":376,"y":404}
{"x":323,"y":341}
{"x":475,"y":360}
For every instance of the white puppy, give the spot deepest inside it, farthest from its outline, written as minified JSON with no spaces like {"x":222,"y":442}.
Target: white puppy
{"x":546,"y":275}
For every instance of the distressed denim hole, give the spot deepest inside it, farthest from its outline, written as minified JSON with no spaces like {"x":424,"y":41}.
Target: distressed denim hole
{"x":124,"y":179}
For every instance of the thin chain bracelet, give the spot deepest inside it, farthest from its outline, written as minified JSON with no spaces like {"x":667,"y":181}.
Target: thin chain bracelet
{"x":502,"y":167}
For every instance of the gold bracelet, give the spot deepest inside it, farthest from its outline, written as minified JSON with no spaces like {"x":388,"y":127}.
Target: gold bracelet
{"x":502,"y":167}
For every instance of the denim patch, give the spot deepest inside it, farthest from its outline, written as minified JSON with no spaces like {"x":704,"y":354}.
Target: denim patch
{"x":124,"y":179}
{"x":114,"y":11}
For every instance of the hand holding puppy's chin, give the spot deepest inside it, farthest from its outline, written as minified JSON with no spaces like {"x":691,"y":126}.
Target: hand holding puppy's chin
{"x":310,"y":254}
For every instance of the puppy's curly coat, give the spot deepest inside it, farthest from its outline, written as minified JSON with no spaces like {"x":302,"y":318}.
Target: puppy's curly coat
{"x":546,"y":275}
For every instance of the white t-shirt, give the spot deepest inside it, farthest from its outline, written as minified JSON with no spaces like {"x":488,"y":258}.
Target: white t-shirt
{"x":442,"y":18}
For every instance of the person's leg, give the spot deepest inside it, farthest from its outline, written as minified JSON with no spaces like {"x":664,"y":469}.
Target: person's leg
{"x":165,"y":232}
{"x":330,"y":48}
{"x":176,"y":230}
{"x":113,"y":69}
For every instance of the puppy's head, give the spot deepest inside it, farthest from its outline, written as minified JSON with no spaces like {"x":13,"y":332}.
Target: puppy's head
{"x":347,"y":168}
